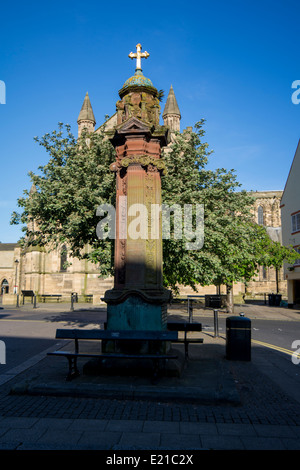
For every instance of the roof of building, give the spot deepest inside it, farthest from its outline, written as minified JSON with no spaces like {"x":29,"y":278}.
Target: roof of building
{"x":138,"y":79}
{"x":171,"y":106}
{"x":110,"y":123}
{"x":266,"y":193}
{"x":138,"y":82}
{"x":8,"y":246}
{"x":86,"y":113}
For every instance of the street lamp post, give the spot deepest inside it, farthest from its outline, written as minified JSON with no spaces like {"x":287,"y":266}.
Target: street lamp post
{"x":16,"y":278}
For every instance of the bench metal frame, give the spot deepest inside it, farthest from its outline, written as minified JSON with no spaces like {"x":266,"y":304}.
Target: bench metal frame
{"x":186,"y":327}
{"x":158,"y":336}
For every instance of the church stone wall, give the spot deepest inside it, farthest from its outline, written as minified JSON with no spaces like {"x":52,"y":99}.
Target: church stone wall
{"x":42,"y":272}
{"x":9,"y":272}
{"x":270,"y":203}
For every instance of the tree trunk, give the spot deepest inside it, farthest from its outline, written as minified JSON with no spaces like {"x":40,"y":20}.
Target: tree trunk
{"x":229,"y":298}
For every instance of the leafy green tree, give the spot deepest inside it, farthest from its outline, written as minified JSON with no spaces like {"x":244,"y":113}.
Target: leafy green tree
{"x":234,"y":246}
{"x":274,"y":255}
{"x":77,"y":179}
{"x":67,"y":192}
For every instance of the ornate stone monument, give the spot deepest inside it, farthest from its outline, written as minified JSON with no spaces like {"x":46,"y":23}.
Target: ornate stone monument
{"x":138,"y":300}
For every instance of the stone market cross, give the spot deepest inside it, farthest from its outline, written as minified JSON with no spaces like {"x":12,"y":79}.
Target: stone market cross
{"x":138,"y":301}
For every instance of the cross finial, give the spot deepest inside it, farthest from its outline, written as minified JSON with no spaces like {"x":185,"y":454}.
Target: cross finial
{"x":138,"y":55}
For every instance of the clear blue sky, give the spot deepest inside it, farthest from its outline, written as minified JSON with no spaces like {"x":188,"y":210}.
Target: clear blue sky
{"x":230,"y":62}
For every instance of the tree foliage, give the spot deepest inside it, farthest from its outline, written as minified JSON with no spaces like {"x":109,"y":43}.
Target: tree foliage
{"x":234,"y":246}
{"x":77,"y":179}
{"x":67,"y":192}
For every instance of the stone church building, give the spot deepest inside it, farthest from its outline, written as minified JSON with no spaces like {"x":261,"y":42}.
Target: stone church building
{"x":45,"y":272}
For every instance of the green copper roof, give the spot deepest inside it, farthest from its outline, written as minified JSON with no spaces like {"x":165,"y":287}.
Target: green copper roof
{"x":138,"y":80}
{"x":86,"y":113}
{"x":171,"y":106}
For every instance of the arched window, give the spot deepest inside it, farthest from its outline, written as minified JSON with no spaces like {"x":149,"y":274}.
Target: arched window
{"x":264,"y":273}
{"x":63,"y":258}
{"x":4,"y":287}
{"x":260,"y":216}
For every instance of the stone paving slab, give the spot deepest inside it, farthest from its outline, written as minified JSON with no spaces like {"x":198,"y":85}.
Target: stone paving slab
{"x":116,"y":425}
{"x":198,"y":428}
{"x":266,"y":443}
{"x":236,"y":429}
{"x":180,"y":441}
{"x":140,"y":440}
{"x":272,"y":430}
{"x":108,"y":435}
{"x":222,"y":442}
{"x":170,"y":427}
{"x":291,"y":444}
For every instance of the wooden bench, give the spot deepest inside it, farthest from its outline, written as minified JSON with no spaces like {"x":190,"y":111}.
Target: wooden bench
{"x":185,"y":327}
{"x":114,"y":336}
{"x":50,"y":296}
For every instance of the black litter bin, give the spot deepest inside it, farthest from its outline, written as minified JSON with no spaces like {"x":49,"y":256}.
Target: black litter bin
{"x":271,"y":300}
{"x":277,"y":300}
{"x":238,"y":338}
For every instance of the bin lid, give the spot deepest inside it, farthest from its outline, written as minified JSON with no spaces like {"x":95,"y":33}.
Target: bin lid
{"x":238,"y":322}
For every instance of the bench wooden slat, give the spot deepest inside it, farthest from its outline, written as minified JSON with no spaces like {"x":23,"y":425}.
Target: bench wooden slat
{"x":46,"y":296}
{"x":57,"y":297}
{"x":189,"y":340}
{"x":116,"y":335}
{"x":113,"y":355}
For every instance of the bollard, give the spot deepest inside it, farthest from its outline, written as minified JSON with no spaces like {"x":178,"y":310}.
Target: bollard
{"x":216,"y":323}
{"x":190,"y":310}
{"x":17,"y":305}
{"x":34,"y":301}
{"x":72,"y":302}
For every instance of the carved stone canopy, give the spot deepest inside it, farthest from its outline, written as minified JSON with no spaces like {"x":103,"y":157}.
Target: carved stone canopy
{"x":134,"y":127}
{"x":140,"y":104}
